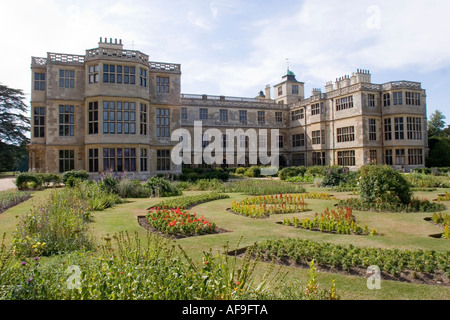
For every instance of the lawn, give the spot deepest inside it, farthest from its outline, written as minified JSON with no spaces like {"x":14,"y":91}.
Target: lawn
{"x":397,"y":230}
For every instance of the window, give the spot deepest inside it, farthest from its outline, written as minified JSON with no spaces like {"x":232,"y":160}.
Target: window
{"x":387,"y":99}
{"x":143,"y":119}
{"x":318,"y":158}
{"x":414,"y":128}
{"x":93,"y":117}
{"x":344,"y":103}
{"x":298,"y":140}
{"x":412,"y":98}
{"x":280,"y":141}
{"x":39,"y":122}
{"x":372,"y":129}
{"x":415,"y":157}
{"x":93,"y":74}
{"x":66,"y":78}
{"x":315,"y":109}
{"x":205,"y":140}
{"x":294,"y":89}
{"x":387,"y":129}
{"x":223,"y":115}
{"x":371,"y":100}
{"x":119,"y":117}
{"x":316,"y":137}
{"x":184,"y":113}
{"x":280,"y":90}
{"x":203,"y":113}
{"x":93,"y":160}
{"x":297,"y":114}
{"x":143,"y":77}
{"x":119,"y":74}
{"x":39,"y":81}
{"x":261,"y":117}
{"x":278,"y":117}
{"x":398,"y":98}
{"x":144,"y":159}
{"x":400,"y":157}
{"x":298,"y":159}
{"x":243,"y":116}
{"x":346,"y":158}
{"x":398,"y":127}
{"x":389,"y":158}
{"x":120,"y":159}
{"x":163,"y":123}
{"x":66,"y":120}
{"x":66,"y":160}
{"x":163,"y":160}
{"x":162,"y":85}
{"x":373,"y":156}
{"x":346,"y":134}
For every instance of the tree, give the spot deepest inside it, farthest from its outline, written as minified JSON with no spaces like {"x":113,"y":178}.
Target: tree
{"x":439,"y":155}
{"x":14,"y":126}
{"x":436,"y":124}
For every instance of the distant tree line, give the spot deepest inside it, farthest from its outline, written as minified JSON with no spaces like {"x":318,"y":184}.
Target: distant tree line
{"x":14,"y":130}
{"x":438,"y":141}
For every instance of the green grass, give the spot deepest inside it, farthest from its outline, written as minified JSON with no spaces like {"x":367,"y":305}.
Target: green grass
{"x":398,"y":230}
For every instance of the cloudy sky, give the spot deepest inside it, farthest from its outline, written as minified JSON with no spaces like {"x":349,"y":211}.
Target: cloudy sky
{"x":237,"y":47}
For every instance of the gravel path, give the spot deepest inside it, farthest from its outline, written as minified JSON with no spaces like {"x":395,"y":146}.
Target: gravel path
{"x":7,"y":183}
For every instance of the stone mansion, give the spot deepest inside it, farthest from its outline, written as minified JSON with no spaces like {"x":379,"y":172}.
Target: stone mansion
{"x":114,"y":109}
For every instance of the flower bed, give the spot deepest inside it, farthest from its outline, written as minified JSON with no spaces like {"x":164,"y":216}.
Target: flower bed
{"x":178,"y":222}
{"x":444,"y":197}
{"x":416,"y":205}
{"x":340,"y":221}
{"x":10,"y":199}
{"x":391,"y":261}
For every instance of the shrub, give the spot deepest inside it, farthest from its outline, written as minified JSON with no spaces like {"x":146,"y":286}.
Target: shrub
{"x":423,"y":180}
{"x":253,"y":172}
{"x":289,"y":172}
{"x":255,"y":188}
{"x":127,"y":188}
{"x":240,"y":170}
{"x":333,"y":176}
{"x":56,"y":225}
{"x":383,"y":184}
{"x":190,"y":201}
{"x":75,"y":174}
{"x":28,"y":180}
{"x":204,"y":173}
{"x":316,"y":171}
{"x":48,"y":178}
{"x":110,"y":183}
{"x":160,"y":187}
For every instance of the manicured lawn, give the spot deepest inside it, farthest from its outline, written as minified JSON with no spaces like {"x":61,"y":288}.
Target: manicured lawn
{"x":397,"y":230}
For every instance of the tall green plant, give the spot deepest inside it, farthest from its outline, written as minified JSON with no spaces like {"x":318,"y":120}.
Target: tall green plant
{"x":382,"y":183}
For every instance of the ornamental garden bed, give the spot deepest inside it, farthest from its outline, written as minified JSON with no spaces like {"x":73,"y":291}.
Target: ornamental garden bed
{"x":339,"y":221}
{"x":421,"y":267}
{"x":177,"y":223}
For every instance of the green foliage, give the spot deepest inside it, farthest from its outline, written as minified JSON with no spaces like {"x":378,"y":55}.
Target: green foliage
{"x":289,"y":172}
{"x":253,"y":172}
{"x":195,"y":174}
{"x":384,"y":184}
{"x":393,"y":261}
{"x":161,"y":187}
{"x":10,"y":199}
{"x":240,"y":170}
{"x":129,"y":268}
{"x":81,"y":175}
{"x":127,"y":188}
{"x":436,"y":124}
{"x":416,"y":205}
{"x":439,"y":155}
{"x":422,"y":180}
{"x":28,"y":180}
{"x":316,"y":171}
{"x":190,"y":201}
{"x":255,"y":188}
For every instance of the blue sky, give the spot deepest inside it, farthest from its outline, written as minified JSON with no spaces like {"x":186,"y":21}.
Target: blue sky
{"x":236,"y":47}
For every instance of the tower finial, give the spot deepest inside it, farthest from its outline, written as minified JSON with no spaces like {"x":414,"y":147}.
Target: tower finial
{"x":287,"y":63}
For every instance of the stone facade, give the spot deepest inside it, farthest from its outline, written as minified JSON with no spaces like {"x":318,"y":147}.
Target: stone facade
{"x":114,"y":109}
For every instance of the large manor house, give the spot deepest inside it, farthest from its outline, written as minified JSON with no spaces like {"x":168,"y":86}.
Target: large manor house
{"x":114,"y":109}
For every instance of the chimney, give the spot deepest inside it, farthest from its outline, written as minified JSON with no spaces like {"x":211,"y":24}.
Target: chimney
{"x":268,"y":92}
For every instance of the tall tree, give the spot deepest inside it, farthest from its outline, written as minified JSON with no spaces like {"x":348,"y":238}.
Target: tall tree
{"x":436,"y":124}
{"x":14,"y":127}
